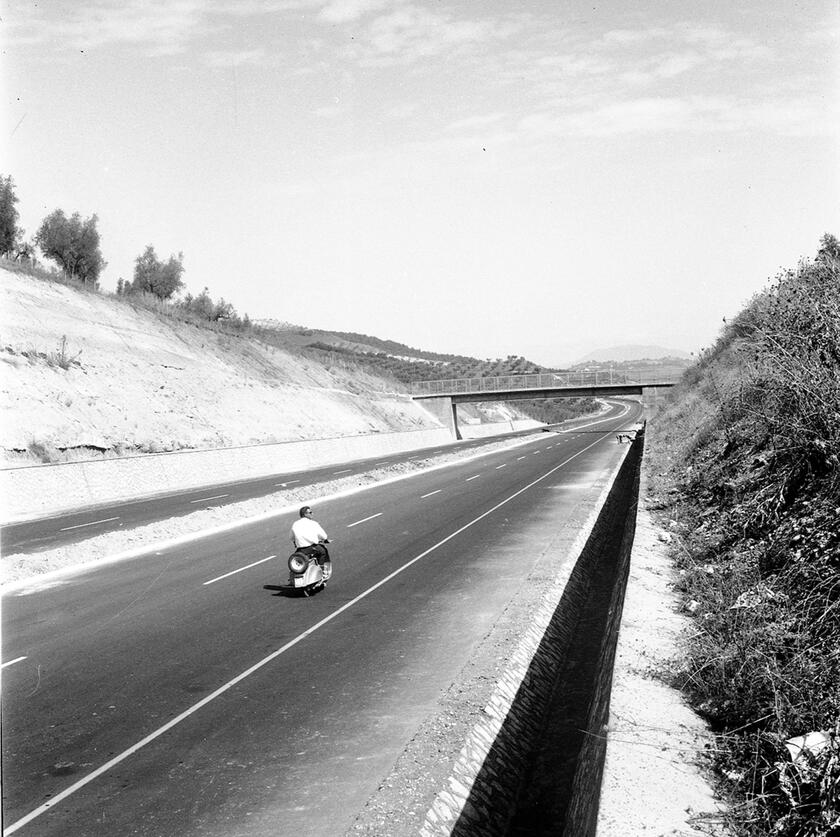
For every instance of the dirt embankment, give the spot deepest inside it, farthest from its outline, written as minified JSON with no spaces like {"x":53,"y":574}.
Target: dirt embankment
{"x":85,"y":370}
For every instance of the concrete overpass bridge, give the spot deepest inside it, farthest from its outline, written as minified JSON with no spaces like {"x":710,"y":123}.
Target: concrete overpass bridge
{"x":443,"y":396}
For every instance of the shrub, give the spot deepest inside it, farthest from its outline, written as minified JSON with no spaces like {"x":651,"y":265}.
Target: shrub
{"x":749,"y":451}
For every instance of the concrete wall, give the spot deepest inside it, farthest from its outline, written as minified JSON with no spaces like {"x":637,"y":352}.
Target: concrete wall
{"x":481,"y":431}
{"x":542,"y":772}
{"x":41,"y":490}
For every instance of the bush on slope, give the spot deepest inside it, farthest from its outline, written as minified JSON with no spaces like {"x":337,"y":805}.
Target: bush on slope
{"x":748,"y":453}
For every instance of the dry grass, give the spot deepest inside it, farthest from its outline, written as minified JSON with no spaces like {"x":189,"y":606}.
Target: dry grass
{"x":746,"y":459}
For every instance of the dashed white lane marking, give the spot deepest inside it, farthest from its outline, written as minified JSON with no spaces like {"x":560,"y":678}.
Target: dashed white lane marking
{"x":284,"y":484}
{"x":423,"y":496}
{"x":519,"y":457}
{"x":536,"y":452}
{"x":152,"y":736}
{"x":234,"y":572}
{"x":12,"y":662}
{"x":363,"y":520}
{"x":472,"y":478}
{"x":92,"y":523}
{"x":501,"y":466}
{"x":214,"y":497}
{"x":343,"y":471}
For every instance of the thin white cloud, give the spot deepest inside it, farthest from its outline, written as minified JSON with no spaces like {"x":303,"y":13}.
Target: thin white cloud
{"x":165,"y":27}
{"x":329,"y":111}
{"x":410,"y":33}
{"x":342,"y":11}
{"x":235,"y":58}
{"x":472,"y":123}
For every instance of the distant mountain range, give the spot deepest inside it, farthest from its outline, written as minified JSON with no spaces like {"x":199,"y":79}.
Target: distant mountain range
{"x":621,"y":354}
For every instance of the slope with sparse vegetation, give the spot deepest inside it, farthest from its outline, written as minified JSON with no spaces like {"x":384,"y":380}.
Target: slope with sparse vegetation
{"x":745,"y":464}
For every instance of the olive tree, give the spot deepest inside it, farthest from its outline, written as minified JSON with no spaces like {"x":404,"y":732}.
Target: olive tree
{"x":73,"y":243}
{"x":163,"y":279}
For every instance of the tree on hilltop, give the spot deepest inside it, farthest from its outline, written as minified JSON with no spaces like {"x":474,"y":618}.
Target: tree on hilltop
{"x":163,"y":279}
{"x":74,"y":244}
{"x":8,"y":215}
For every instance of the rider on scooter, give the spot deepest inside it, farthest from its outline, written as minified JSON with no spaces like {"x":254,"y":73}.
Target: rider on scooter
{"x":308,"y":535}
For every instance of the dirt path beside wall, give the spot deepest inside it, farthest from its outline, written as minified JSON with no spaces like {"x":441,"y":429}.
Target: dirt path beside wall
{"x":656,"y":779}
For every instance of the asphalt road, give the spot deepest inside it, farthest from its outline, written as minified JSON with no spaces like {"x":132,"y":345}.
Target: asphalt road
{"x":176,"y":694}
{"x":77,"y":525}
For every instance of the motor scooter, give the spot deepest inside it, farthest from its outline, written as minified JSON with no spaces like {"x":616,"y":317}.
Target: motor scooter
{"x":309,"y":573}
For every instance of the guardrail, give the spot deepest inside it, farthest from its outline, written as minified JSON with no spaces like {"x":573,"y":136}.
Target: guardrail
{"x":549,"y":380}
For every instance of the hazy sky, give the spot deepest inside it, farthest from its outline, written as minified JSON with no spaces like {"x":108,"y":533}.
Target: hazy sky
{"x":541,"y":178}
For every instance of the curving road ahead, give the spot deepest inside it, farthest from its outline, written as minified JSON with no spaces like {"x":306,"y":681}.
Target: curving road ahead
{"x":175,"y":693}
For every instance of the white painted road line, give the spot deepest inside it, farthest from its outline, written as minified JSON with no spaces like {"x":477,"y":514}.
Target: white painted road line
{"x":284,"y":484}
{"x":519,"y":457}
{"x":214,"y":497}
{"x":86,"y":780}
{"x":363,"y":520}
{"x":12,"y":662}
{"x":536,"y":452}
{"x":501,"y":466}
{"x":423,"y":497}
{"x":234,"y":572}
{"x":343,"y":471}
{"x":472,"y":478}
{"x":92,"y":523}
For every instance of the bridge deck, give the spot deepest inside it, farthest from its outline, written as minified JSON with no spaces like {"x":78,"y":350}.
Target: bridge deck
{"x":547,"y":385}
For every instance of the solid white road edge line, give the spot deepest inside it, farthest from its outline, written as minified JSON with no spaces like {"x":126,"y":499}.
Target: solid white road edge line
{"x":284,"y":484}
{"x":364,"y":520}
{"x":234,"y":572}
{"x":92,"y":523}
{"x":214,"y":497}
{"x":59,"y":797}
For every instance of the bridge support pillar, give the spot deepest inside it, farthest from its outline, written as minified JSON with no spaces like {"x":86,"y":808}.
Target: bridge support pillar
{"x":445,"y":410}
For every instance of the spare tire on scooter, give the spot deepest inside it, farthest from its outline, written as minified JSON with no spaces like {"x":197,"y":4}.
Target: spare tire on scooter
{"x":297,"y":562}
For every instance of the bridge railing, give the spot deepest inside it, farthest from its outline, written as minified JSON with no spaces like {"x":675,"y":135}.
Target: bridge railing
{"x":548,"y":380}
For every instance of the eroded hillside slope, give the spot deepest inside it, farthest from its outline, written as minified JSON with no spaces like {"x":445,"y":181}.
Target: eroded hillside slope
{"x":746,"y":462}
{"x":86,"y":371}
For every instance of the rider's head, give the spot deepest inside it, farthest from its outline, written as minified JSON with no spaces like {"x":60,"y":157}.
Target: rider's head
{"x":305,"y":510}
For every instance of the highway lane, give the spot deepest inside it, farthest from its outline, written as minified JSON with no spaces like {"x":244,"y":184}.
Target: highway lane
{"x":74,"y":526}
{"x":339,"y":682}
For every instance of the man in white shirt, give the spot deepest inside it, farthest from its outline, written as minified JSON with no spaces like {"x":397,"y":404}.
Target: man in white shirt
{"x":307,"y":535}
